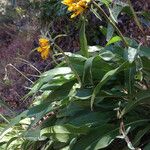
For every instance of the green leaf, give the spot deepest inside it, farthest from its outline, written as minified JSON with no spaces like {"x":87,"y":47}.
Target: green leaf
{"x":33,"y":135}
{"x":83,"y":93}
{"x":107,"y":55}
{"x":147,"y":147}
{"x":39,"y":111}
{"x":10,"y":141}
{"x":61,"y":92}
{"x":131,"y":54}
{"x":47,"y":77}
{"x":140,"y":134}
{"x":65,"y":129}
{"x":77,"y":61}
{"x":110,"y":32}
{"x":88,"y":69}
{"x":102,"y":136}
{"x":13,"y":122}
{"x":98,"y":138}
{"x":139,"y":98}
{"x":83,"y":40}
{"x":91,"y":118}
{"x":144,"y":51}
{"x":105,"y":78}
{"x":115,"y":11}
{"x":106,"y":2}
{"x":95,"y":48}
{"x":114,"y":40}
{"x":63,"y":133}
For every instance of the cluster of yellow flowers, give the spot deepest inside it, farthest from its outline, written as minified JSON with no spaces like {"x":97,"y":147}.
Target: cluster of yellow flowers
{"x":76,"y":6}
{"x":44,"y":48}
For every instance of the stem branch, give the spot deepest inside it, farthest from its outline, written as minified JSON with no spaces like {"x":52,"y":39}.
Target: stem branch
{"x":111,"y":22}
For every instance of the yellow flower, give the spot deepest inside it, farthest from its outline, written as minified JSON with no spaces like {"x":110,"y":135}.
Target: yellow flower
{"x":45,"y":53}
{"x":43,"y":42}
{"x":76,"y":6}
{"x":44,"y":48}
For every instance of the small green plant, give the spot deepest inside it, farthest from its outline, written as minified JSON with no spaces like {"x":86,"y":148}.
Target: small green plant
{"x":91,"y":100}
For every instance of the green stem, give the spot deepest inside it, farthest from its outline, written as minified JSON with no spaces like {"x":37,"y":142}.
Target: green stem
{"x":112,"y":23}
{"x":4,"y":118}
{"x":135,"y":17}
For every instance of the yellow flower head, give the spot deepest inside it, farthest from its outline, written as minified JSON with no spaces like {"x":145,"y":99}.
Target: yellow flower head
{"x":44,"y":48}
{"x":43,"y":42}
{"x":76,"y":6}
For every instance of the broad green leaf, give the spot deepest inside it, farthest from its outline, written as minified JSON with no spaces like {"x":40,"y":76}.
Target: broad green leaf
{"x":63,"y":133}
{"x":102,"y":136}
{"x":100,"y":67}
{"x":139,"y":98}
{"x":114,"y":40}
{"x":110,"y":32}
{"x":39,"y":111}
{"x":77,"y":61}
{"x":33,"y":135}
{"x":47,"y":77}
{"x":83,"y":93}
{"x":70,"y":110}
{"x":65,"y":129}
{"x":91,"y":118}
{"x":61,"y":92}
{"x":39,"y":108}
{"x":98,"y":138}
{"x":12,"y":123}
{"x":105,"y":78}
{"x":107,"y":55}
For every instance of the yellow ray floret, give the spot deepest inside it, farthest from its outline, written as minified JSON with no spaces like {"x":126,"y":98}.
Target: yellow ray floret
{"x":76,"y":6}
{"x":44,"y":48}
{"x":43,"y":42}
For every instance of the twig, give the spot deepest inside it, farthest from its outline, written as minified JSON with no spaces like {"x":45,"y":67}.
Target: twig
{"x":6,"y":72}
{"x":112,"y":23}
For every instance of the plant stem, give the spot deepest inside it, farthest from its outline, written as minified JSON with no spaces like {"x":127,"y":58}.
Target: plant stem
{"x":135,"y":16}
{"x":4,"y":118}
{"x":111,"y":22}
{"x":17,"y":71}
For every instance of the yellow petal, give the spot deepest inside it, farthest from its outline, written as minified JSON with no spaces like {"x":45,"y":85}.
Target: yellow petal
{"x":88,"y":1}
{"x":39,"y":49}
{"x":45,"y":54}
{"x":67,"y":2}
{"x":43,"y":42}
{"x":73,"y":15}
